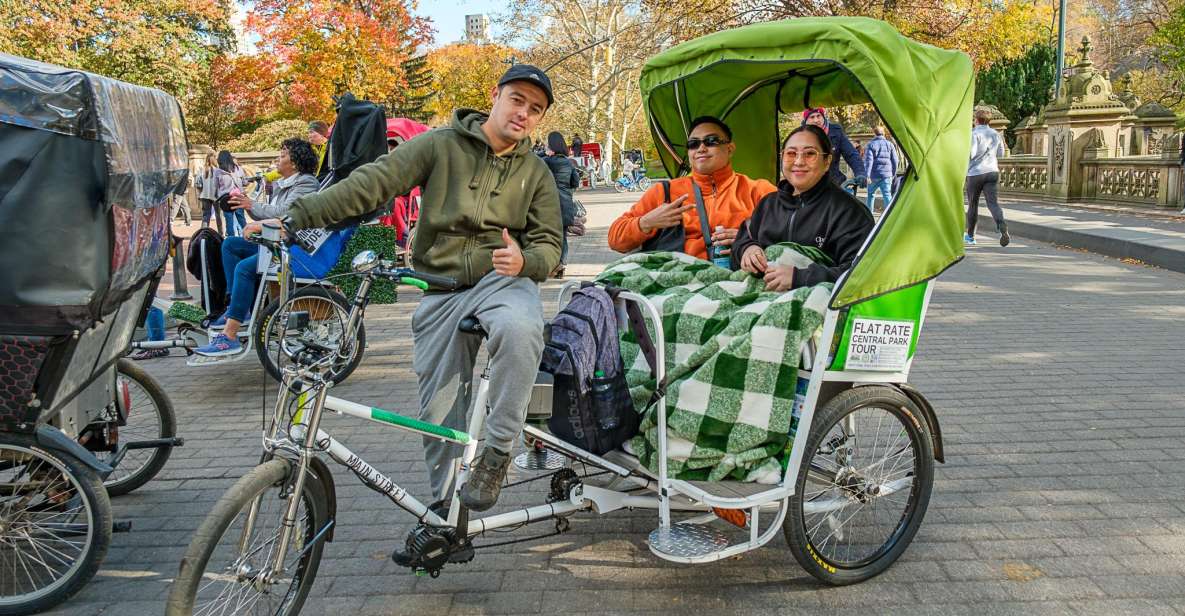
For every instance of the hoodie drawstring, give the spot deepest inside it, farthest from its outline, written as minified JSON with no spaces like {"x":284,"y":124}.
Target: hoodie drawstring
{"x":505,"y":174}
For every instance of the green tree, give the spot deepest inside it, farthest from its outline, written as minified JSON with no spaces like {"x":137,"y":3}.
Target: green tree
{"x":1169,"y":45}
{"x":1019,"y":87}
{"x":411,"y":101}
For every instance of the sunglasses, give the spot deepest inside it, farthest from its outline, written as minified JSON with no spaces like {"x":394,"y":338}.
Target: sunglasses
{"x":711,"y":141}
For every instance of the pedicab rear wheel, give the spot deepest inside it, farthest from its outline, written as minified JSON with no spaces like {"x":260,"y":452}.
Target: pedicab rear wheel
{"x":863,"y":486}
{"x":328,"y":315}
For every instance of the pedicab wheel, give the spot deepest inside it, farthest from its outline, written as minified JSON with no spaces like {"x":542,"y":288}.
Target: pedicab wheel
{"x":643,"y":183}
{"x":863,"y":487}
{"x":328,"y":312}
{"x":149,"y":416}
{"x":227,"y":568}
{"x":55,"y":525}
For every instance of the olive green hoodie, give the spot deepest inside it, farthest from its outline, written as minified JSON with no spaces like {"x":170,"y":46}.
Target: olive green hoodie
{"x":469,"y":195}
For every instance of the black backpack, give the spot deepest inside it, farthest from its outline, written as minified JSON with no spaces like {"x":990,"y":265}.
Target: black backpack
{"x":215,"y":285}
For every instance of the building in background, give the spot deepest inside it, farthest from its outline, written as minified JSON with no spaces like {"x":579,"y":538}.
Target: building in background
{"x":477,"y":28}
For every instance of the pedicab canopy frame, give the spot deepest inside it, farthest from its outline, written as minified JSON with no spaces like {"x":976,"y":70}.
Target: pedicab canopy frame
{"x":924,"y":95}
{"x":87,"y":164}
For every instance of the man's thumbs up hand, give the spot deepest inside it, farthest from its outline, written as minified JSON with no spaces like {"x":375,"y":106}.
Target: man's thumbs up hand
{"x":508,"y":261}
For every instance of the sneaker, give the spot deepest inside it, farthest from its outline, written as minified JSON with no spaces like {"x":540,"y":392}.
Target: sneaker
{"x":480,"y":491}
{"x":220,"y":345}
{"x":219,"y":324}
{"x":1004,"y":237}
{"x":149,"y":354}
{"x":968,"y":240}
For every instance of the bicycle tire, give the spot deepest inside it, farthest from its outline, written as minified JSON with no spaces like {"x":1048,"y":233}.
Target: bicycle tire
{"x":271,"y":475}
{"x":264,"y":331}
{"x":23,"y":514}
{"x":855,"y":482}
{"x":162,"y":407}
{"x":644,"y":184}
{"x":620,"y":187}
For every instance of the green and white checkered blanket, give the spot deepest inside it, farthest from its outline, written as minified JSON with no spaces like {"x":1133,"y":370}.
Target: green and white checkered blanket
{"x":732,"y":352}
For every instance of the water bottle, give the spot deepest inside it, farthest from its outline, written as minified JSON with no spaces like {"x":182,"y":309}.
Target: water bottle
{"x":720,"y":260}
{"x":155,"y":324}
{"x":800,"y":386}
{"x":603,"y":402}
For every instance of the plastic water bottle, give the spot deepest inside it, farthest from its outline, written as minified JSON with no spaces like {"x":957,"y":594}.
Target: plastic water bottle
{"x":155,"y":324}
{"x":603,"y":403}
{"x":720,"y":260}
{"x":800,"y":387}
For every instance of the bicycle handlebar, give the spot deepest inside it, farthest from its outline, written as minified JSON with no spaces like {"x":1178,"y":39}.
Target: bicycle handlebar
{"x":411,"y":277}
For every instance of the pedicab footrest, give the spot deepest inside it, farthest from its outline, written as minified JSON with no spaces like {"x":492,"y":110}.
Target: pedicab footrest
{"x":730,"y":494}
{"x":687,"y":541}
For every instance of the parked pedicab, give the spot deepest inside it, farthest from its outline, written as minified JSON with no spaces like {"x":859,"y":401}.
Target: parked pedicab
{"x":358,"y":137}
{"x":89,"y":165}
{"x":857,"y":482}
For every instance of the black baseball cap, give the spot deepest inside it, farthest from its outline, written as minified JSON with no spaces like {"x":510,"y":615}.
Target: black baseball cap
{"x":530,"y":74}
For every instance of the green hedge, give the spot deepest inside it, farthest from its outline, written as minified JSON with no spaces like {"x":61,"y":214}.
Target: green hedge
{"x":379,"y":238}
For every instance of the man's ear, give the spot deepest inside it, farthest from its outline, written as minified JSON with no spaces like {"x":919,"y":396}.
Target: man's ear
{"x":494,"y":94}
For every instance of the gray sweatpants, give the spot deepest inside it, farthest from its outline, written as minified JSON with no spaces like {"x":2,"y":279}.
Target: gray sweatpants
{"x":511,"y":313}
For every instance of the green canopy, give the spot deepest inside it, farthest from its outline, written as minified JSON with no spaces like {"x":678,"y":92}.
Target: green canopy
{"x":924,"y":95}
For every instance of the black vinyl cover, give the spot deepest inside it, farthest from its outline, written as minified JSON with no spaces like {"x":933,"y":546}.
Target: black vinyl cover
{"x":87,"y":164}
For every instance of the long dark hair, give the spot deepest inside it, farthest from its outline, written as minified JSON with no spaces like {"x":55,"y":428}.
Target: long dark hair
{"x":555,"y":143}
{"x":226,"y":162}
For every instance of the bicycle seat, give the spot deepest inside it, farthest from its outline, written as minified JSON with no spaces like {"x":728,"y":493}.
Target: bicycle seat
{"x":470,"y":325}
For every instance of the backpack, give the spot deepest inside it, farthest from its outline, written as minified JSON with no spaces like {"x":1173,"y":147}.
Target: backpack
{"x":591,"y":403}
{"x":213,"y":286}
{"x":579,"y":220}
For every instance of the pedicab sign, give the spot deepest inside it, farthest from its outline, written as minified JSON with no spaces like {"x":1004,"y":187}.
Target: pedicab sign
{"x":879,"y":345}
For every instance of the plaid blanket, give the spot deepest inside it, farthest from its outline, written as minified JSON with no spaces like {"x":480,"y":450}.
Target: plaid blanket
{"x":732,"y":352}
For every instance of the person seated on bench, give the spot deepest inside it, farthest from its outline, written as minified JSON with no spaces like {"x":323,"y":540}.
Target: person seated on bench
{"x":729,"y":197}
{"x":296,"y":164}
{"x":806,"y":210}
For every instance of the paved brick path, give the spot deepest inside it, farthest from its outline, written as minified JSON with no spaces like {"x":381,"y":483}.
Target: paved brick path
{"x":1057,"y":377}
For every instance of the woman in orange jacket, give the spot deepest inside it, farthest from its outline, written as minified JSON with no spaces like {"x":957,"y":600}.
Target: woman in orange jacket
{"x":729,"y":197}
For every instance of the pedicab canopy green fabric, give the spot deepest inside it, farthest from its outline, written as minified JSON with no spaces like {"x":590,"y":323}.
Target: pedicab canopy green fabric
{"x":924,"y":95}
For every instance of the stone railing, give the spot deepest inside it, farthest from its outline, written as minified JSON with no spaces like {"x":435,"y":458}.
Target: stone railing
{"x":1024,"y":175}
{"x":1144,"y":179}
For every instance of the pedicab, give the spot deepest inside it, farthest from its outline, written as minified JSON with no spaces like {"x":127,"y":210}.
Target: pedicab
{"x":88,"y":166}
{"x":856,"y":482}
{"x":358,"y":137}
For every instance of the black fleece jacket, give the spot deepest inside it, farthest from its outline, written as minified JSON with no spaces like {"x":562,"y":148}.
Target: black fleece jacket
{"x":825,"y":217}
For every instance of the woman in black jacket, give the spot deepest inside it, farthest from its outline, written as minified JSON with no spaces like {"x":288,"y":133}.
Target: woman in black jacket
{"x":806,"y":210}
{"x":566,"y":179}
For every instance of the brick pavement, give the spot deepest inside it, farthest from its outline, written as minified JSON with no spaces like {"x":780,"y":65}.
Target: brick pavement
{"x":1056,"y":375}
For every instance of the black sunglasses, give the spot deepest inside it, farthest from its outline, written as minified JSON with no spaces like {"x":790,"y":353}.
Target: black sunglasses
{"x":711,"y":141}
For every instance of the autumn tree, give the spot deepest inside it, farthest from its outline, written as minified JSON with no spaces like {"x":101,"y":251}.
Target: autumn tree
{"x":323,"y":48}
{"x":594,"y":51}
{"x":464,"y":74}
{"x":987,"y":30}
{"x":165,"y":44}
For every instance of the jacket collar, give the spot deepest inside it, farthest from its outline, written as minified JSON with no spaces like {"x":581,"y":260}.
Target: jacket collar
{"x":715,"y":179}
{"x":787,"y":197}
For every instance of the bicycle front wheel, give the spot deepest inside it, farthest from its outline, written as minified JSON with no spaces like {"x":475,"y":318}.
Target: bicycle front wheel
{"x":55,"y":525}
{"x":643,"y":184}
{"x":228,"y":568}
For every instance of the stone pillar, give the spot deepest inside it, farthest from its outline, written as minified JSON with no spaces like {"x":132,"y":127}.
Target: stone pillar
{"x":197,"y":166}
{"x":1172,"y":186}
{"x":1086,"y":115}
